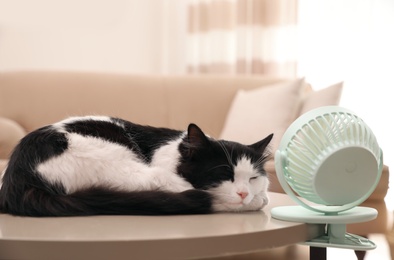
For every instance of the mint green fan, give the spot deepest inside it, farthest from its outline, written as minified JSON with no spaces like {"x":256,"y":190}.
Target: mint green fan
{"x":329,"y":162}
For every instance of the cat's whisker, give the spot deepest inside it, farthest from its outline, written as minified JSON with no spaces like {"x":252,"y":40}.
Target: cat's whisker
{"x":263,"y":158}
{"x":226,"y":153}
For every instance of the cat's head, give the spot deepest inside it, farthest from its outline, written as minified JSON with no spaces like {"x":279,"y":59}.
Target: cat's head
{"x":232,"y":172}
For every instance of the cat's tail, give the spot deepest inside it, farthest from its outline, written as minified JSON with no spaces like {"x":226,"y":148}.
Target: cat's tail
{"x":101,"y":201}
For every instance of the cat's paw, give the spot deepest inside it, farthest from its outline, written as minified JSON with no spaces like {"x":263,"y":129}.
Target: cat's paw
{"x":257,"y":203}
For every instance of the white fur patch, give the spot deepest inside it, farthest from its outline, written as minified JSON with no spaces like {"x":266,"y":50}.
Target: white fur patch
{"x":90,"y":161}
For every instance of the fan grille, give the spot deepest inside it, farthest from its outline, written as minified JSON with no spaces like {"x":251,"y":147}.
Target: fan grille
{"x":316,"y":140}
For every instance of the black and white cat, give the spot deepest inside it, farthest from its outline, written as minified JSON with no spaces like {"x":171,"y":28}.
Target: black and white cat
{"x":103,"y":165}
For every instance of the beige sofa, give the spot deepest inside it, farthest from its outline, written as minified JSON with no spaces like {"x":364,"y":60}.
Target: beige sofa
{"x":29,"y":100}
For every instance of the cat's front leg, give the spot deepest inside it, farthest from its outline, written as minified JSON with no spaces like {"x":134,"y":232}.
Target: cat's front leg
{"x":258,"y":202}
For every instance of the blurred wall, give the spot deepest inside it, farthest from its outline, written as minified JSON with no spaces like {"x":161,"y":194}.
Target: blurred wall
{"x":118,"y":35}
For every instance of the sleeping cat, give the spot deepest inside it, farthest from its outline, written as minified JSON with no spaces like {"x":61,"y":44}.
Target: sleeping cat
{"x":102,"y":165}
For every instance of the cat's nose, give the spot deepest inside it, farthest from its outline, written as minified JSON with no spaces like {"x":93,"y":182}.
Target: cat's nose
{"x":243,"y":194}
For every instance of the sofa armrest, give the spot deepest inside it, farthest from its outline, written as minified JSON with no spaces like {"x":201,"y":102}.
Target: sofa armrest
{"x":383,"y":185}
{"x":10,"y":134}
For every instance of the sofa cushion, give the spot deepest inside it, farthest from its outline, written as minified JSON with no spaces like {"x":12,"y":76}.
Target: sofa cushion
{"x":3,"y":164}
{"x":10,"y":134}
{"x":256,"y":113}
{"x":328,"y":96}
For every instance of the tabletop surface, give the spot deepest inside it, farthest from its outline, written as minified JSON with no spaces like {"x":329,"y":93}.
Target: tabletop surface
{"x":146,"y":236}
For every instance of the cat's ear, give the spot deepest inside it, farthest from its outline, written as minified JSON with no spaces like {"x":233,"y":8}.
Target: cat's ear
{"x":195,"y":138}
{"x":260,"y":146}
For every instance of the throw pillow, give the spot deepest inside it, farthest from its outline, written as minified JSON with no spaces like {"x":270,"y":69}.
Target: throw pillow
{"x":328,"y":96}
{"x":256,"y":113}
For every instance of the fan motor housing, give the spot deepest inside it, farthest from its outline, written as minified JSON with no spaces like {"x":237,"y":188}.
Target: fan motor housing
{"x":345,"y":175}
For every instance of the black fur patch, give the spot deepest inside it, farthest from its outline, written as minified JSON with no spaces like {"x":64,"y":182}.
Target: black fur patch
{"x":20,"y":180}
{"x":142,"y":140}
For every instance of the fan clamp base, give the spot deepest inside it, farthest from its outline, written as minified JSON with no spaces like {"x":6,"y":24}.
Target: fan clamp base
{"x":335,"y":225}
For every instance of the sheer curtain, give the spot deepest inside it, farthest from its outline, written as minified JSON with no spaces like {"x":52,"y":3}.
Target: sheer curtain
{"x":242,"y":36}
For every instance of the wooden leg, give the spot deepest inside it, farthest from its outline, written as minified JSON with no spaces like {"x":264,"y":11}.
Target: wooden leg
{"x":317,"y":253}
{"x":360,"y":254}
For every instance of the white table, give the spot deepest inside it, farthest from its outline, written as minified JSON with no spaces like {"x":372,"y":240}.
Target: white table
{"x":150,"y":237}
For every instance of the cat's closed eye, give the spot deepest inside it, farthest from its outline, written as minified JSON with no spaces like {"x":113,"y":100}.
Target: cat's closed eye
{"x":253,"y":178}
